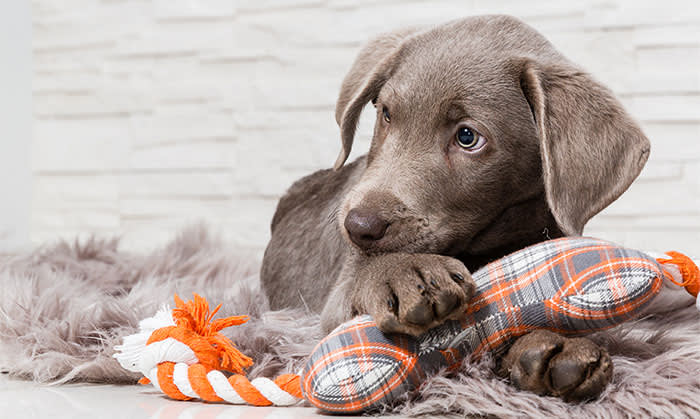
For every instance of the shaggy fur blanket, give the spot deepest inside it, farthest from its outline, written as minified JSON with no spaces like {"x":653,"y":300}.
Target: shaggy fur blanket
{"x":64,"y":307}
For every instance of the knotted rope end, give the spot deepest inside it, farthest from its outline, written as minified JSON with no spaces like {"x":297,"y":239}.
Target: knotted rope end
{"x":690,"y":273}
{"x":196,"y":317}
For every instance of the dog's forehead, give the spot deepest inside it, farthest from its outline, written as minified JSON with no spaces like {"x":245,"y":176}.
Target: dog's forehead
{"x":438,"y":67}
{"x":426,"y":77}
{"x":467,"y":58}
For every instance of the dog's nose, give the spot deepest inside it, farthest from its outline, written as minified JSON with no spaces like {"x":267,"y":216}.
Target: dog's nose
{"x":365,"y":226}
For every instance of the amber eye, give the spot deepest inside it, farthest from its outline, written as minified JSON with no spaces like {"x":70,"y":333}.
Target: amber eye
{"x":385,"y":113}
{"x":469,"y":139}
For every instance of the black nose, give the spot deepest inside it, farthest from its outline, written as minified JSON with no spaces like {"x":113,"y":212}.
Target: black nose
{"x":365,"y":226}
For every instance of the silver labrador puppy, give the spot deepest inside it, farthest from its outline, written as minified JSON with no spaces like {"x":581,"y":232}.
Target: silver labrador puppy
{"x":487,"y":140}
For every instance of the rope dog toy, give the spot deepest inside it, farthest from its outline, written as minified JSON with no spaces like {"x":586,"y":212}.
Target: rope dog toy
{"x":572,"y":286}
{"x":182,"y":353}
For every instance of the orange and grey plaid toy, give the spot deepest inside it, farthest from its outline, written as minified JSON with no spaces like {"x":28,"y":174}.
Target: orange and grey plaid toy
{"x":572,"y":286}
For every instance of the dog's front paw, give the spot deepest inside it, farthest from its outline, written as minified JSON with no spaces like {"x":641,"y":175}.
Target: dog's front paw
{"x":411,"y":293}
{"x":546,"y":363}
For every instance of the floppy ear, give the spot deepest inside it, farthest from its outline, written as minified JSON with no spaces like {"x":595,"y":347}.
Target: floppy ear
{"x":591,"y":148}
{"x":371,"y":69}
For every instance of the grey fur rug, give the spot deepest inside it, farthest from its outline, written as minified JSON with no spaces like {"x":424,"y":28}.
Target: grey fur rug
{"x":65,"y":306}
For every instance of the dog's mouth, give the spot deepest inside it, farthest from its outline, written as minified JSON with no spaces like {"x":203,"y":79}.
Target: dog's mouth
{"x":375,"y":221}
{"x":384,"y":246}
{"x":406,"y":234}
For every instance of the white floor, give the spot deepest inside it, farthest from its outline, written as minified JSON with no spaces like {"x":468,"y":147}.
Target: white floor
{"x":24,"y":400}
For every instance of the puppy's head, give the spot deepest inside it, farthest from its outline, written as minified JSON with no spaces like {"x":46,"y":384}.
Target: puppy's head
{"x":482,"y":128}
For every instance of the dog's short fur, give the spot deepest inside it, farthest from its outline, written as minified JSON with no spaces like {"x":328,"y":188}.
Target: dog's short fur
{"x":396,"y":232}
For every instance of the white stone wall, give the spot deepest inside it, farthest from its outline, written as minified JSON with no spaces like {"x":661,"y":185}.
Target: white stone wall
{"x":149,"y":114}
{"x":15,"y":124}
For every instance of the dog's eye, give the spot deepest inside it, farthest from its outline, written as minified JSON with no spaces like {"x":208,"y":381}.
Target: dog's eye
{"x":385,"y":113}
{"x":469,"y":139}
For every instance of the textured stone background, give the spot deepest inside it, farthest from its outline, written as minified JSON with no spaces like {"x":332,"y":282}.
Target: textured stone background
{"x":149,"y":114}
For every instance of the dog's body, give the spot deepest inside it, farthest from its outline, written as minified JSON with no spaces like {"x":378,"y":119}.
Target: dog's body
{"x":487,"y":140}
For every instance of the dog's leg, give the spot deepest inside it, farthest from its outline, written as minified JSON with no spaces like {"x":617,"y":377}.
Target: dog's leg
{"x":546,"y":363}
{"x":338,"y":306}
{"x":407,"y":293}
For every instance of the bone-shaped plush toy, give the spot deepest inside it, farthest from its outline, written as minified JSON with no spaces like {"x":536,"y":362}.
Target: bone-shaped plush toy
{"x":571,"y":286}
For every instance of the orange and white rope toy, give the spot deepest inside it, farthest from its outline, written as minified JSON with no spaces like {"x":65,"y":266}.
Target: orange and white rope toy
{"x":183,"y":354}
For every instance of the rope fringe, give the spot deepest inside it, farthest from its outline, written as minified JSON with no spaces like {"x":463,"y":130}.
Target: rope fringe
{"x":688,"y":269}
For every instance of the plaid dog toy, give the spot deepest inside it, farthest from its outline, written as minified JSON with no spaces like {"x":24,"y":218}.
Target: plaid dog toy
{"x":571,"y":286}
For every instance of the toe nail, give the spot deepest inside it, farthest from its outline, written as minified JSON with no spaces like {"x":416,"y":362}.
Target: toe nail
{"x":457,"y":277}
